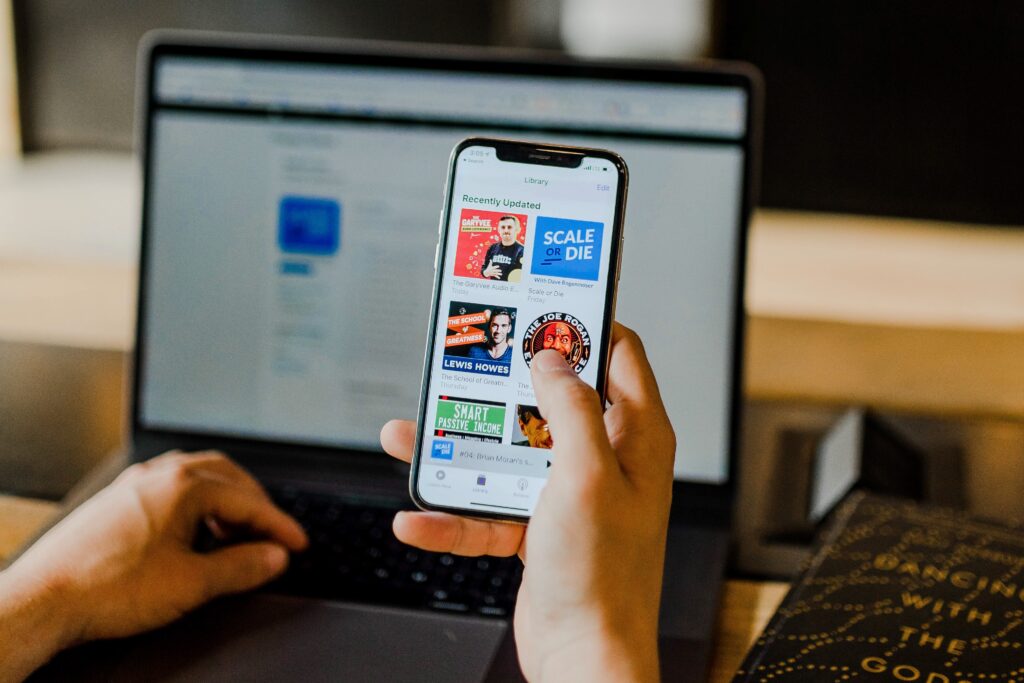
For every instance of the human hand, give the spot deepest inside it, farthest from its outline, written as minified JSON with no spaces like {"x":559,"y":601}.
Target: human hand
{"x":123,"y":562}
{"x":594,"y":549}
{"x":491,"y":270}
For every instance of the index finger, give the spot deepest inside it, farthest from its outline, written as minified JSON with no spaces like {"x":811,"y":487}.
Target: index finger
{"x":241,"y":507}
{"x":397,"y":438}
{"x":443,"y":533}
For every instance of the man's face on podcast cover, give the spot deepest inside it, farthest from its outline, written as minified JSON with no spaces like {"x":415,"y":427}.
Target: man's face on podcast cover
{"x":558,"y":337}
{"x":500,"y":325}
{"x":535,"y":430}
{"x":507,"y":229}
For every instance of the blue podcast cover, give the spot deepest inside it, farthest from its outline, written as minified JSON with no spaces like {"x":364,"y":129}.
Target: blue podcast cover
{"x":563,"y":247}
{"x":309,"y":225}
{"x":442,"y":450}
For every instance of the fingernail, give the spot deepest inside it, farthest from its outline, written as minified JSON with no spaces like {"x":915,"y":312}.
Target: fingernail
{"x":550,"y":361}
{"x":275,"y":558}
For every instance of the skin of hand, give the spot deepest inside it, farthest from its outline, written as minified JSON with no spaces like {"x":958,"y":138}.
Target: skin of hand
{"x":492,"y":270}
{"x":123,"y":562}
{"x":594,"y":550}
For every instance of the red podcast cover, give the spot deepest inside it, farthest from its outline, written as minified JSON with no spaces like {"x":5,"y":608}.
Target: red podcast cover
{"x":491,"y":245}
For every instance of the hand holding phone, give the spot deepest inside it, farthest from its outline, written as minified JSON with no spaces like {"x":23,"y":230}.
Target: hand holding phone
{"x":527,"y":260}
{"x":588,"y":606}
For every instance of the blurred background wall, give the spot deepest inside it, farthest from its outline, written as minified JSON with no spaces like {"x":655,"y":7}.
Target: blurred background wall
{"x":905,"y":108}
{"x":76,"y":60}
{"x":908,"y":108}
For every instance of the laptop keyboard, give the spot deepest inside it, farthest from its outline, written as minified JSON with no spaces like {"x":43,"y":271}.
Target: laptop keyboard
{"x":354,"y":556}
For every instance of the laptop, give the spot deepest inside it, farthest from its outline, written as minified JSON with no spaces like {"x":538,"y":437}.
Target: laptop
{"x":290,"y":355}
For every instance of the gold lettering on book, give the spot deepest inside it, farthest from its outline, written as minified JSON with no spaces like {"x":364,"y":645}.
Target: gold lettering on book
{"x":904,"y":672}
{"x":954,"y":646}
{"x":964,"y":580}
{"x":939,"y":606}
{"x":1007,"y":590}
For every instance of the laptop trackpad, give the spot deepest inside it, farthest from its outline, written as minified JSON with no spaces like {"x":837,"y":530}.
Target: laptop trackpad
{"x":269,"y":637}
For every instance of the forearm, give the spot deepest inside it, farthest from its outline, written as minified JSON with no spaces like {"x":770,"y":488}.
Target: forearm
{"x":32,"y":625}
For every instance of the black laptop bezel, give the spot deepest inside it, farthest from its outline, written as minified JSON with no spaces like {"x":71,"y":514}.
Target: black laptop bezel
{"x":698,"y":502}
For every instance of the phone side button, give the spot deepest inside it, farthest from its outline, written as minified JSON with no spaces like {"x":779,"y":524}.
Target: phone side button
{"x":437,"y":252}
{"x":618,"y":266}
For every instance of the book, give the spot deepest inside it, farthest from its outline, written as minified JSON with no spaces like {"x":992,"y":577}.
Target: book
{"x":898,"y":591}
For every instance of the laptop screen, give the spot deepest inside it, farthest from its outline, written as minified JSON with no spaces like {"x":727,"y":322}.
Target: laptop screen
{"x":292,"y":213}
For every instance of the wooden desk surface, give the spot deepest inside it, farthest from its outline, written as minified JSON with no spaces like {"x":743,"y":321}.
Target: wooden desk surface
{"x":20,"y":519}
{"x":746,"y":605}
{"x":746,"y":608}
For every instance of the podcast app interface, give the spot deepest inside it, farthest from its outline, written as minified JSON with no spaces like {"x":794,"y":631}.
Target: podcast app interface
{"x":526,"y":267}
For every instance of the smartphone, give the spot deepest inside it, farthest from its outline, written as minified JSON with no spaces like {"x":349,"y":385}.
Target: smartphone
{"x":529,"y":246}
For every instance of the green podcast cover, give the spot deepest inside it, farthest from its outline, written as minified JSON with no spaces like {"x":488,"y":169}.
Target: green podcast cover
{"x":470,"y":419}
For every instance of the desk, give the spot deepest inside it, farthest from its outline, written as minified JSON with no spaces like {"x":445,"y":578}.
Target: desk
{"x":746,"y":605}
{"x":20,"y":520}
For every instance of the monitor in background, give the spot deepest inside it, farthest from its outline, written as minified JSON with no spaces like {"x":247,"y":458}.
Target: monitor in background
{"x":292,"y":219}
{"x":76,"y":69}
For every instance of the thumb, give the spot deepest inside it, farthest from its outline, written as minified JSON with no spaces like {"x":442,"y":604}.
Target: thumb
{"x":243,"y":567}
{"x":573,"y":411}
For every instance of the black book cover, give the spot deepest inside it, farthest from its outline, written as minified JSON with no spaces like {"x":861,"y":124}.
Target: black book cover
{"x":900,"y":592}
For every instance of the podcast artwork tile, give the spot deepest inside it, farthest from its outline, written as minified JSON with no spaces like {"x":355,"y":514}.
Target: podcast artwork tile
{"x":900,"y":592}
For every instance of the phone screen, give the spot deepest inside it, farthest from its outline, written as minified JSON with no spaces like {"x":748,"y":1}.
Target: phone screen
{"x":527,"y":261}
